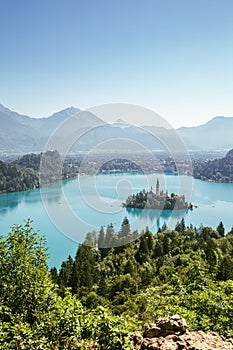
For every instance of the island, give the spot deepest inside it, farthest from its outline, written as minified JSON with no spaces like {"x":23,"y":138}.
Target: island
{"x":157,"y":200}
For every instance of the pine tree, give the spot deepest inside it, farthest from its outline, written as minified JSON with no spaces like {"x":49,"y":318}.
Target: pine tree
{"x":109,"y":238}
{"x":180,"y":226}
{"x":221,"y":229}
{"x":143,"y":252}
{"x":125,"y":228}
{"x":225,"y":271}
{"x":85,"y":272}
{"x":101,"y":238}
{"x":102,"y":243}
{"x":54,"y":275}
{"x":65,"y":274}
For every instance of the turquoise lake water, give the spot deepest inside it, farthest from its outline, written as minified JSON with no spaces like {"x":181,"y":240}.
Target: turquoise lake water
{"x":65,"y":212}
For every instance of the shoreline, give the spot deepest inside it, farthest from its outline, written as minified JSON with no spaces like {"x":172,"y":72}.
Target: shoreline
{"x":133,"y":173}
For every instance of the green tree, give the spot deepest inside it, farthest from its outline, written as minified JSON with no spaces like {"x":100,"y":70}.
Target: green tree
{"x":225,"y":271}
{"x":25,"y":282}
{"x":85,"y":272}
{"x":32,"y":314}
{"x":164,"y":227}
{"x":145,"y":247}
{"x":125,"y":228}
{"x":221,"y":229}
{"x":101,"y":238}
{"x":66,"y":275}
{"x":54,"y":275}
{"x":180,"y":226}
{"x":110,"y":238}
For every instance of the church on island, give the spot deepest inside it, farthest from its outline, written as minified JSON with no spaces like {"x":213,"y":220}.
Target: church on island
{"x":157,"y":200}
{"x":157,"y":192}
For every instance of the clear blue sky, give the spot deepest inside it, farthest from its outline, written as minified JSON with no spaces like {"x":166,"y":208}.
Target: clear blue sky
{"x":173,"y":56}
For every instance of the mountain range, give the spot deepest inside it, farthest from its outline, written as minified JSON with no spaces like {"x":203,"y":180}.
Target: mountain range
{"x":21,"y":134}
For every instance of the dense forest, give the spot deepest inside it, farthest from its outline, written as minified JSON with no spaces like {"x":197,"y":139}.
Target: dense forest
{"x":101,"y":295}
{"x":24,"y":174}
{"x":219,"y":170}
{"x":188,"y":271}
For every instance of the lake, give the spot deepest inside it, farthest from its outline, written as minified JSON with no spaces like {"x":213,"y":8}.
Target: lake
{"x":65,"y":212}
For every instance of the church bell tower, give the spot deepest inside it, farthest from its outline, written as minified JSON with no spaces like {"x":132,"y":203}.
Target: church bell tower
{"x":157,"y":188}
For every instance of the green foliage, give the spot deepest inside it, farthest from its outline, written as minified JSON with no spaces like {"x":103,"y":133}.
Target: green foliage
{"x":151,"y":200}
{"x":181,"y":271}
{"x":101,"y":298}
{"x":219,"y":170}
{"x":34,"y":316}
{"x":23,"y":174}
{"x":221,"y":229}
{"x":15,"y":178}
{"x":205,"y":309}
{"x":24,"y":277}
{"x":85,"y":271}
{"x":125,"y":228}
{"x":111,"y":331}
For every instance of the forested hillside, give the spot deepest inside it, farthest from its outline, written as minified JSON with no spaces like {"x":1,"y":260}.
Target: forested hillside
{"x":98,"y":298}
{"x":23,"y":174}
{"x":220,"y":170}
{"x":188,"y":271}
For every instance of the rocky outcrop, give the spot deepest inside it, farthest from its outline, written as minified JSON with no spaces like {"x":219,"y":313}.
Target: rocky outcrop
{"x":172,"y":334}
{"x":166,"y":326}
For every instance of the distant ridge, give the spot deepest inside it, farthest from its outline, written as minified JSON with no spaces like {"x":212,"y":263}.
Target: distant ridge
{"x":217,"y":170}
{"x":216,"y":134}
{"x":20,"y":134}
{"x":229,"y":155}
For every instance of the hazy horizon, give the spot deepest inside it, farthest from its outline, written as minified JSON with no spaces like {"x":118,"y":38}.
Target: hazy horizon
{"x":110,"y":119}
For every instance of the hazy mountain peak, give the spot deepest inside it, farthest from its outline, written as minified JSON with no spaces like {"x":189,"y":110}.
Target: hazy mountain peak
{"x":72,"y":110}
{"x":119,"y":121}
{"x":69,"y":111}
{"x":217,"y":119}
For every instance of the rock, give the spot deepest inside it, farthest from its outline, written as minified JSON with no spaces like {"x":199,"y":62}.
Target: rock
{"x":136,"y":338}
{"x":166,"y":326}
{"x":171,"y":334}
